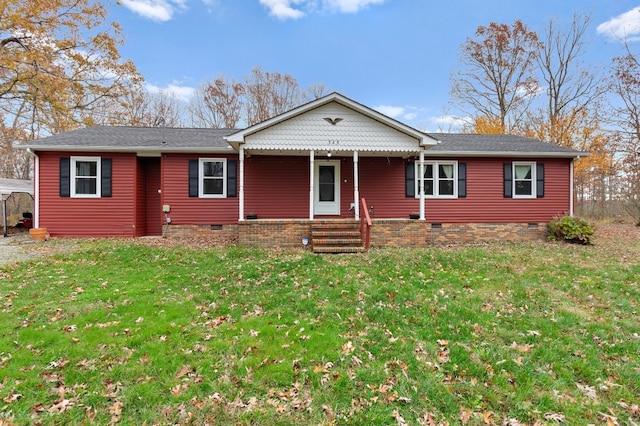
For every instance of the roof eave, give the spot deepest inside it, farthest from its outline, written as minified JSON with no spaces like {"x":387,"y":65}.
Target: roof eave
{"x":131,"y":149}
{"x":508,"y":154}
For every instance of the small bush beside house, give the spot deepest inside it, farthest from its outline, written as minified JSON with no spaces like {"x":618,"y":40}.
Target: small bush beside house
{"x":570,"y":229}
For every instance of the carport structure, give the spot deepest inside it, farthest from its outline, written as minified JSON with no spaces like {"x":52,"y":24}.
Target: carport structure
{"x":8,"y":187}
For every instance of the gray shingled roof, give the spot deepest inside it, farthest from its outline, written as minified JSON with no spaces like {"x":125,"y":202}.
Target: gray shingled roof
{"x":475,"y":144}
{"x":136,"y":138}
{"x":123,"y":138}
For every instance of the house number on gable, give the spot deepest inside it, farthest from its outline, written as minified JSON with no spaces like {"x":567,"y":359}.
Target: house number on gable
{"x":334,"y":142}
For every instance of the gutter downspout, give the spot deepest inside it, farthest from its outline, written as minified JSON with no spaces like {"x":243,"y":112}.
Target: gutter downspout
{"x":36,"y":188}
{"x":571,"y":183}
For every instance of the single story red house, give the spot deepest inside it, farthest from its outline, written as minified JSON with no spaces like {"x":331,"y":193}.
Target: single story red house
{"x":309,"y":176}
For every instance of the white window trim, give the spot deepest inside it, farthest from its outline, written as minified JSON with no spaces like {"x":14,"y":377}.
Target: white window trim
{"x":532,"y":164}
{"x":436,"y":178}
{"x":73,"y":177}
{"x":201,"y":177}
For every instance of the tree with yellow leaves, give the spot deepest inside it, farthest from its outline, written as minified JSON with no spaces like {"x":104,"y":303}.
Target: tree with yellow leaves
{"x":58,"y":60}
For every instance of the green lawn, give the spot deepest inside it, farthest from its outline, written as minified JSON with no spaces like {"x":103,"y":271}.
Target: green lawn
{"x":122,"y":332}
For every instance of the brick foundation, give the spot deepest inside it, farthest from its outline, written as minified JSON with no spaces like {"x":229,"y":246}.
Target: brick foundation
{"x":398,"y":233}
{"x":181,"y":231}
{"x":273,"y":232}
{"x":483,"y":232}
{"x":384,"y":232}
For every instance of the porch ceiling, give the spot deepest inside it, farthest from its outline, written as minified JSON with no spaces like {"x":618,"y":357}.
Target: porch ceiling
{"x":331,"y":152}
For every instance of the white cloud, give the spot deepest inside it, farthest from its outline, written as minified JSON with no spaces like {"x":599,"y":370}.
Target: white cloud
{"x":182,"y":93}
{"x":282,"y":9}
{"x":390,"y":111}
{"x":156,"y":10}
{"x":625,"y":26}
{"x":295,"y":9}
{"x":350,"y":6}
{"x":450,"y":122}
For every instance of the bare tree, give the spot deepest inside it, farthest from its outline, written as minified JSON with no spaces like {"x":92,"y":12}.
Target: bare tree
{"x":218,"y":104}
{"x":570,"y":86}
{"x":269,"y":94}
{"x":226,"y":103}
{"x":498,"y":75}
{"x":625,"y":83}
{"x":317,"y":90}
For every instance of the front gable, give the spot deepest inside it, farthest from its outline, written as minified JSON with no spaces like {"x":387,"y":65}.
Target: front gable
{"x":333,"y":123}
{"x":332,"y":127}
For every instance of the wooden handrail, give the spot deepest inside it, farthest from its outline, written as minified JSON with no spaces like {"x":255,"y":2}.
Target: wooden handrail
{"x":365,"y":222}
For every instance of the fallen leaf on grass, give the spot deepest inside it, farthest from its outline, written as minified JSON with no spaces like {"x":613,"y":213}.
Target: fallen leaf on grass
{"x":588,"y":391}
{"x":12,"y":397}
{"x":115,"y":411}
{"x":399,"y":419}
{"x":60,"y":406}
{"x":465,"y":415}
{"x":347,"y":348}
{"x":178,"y":389}
{"x":521,"y":348}
{"x":556,"y":417}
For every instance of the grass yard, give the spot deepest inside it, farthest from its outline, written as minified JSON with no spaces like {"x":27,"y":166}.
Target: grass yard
{"x":121,"y":331}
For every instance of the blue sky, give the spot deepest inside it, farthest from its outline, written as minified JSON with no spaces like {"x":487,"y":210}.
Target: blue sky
{"x":396,"y":56}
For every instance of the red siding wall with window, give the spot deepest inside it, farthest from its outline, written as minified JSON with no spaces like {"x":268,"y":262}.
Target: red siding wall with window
{"x":75,"y":217}
{"x":187,"y":210}
{"x":278,"y":187}
{"x":382,"y":184}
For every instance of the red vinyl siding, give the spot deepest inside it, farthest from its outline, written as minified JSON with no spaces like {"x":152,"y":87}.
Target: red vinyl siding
{"x":187,"y":210}
{"x":149,"y":209}
{"x":382,"y":184}
{"x":277,"y":187}
{"x":140,"y":213}
{"x":485,"y":201}
{"x":75,"y":217}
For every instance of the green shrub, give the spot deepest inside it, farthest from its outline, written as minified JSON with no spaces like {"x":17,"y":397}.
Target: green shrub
{"x":570,"y":229}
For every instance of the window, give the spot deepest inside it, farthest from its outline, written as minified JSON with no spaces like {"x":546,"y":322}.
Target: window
{"x":440,"y":179}
{"x":524,"y":178}
{"x":85,"y":177}
{"x":212,"y":178}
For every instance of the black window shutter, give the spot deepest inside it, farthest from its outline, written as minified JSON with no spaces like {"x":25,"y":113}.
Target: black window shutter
{"x":409,"y":179}
{"x":193,"y":178}
{"x":508,"y":180}
{"x":232,"y":178}
{"x":105,"y":184}
{"x":462,"y":180}
{"x":65,"y":176}
{"x":540,"y":180}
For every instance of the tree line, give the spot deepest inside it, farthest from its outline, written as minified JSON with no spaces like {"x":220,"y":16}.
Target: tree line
{"x":60,"y":69}
{"x":514,"y":80}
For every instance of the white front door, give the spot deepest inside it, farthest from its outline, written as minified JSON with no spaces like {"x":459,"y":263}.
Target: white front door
{"x":326,"y":187}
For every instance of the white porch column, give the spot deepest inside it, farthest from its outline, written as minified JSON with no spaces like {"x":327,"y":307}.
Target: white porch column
{"x":421,"y":186}
{"x":356,"y":184}
{"x":241,"y":189}
{"x":311,"y":177}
